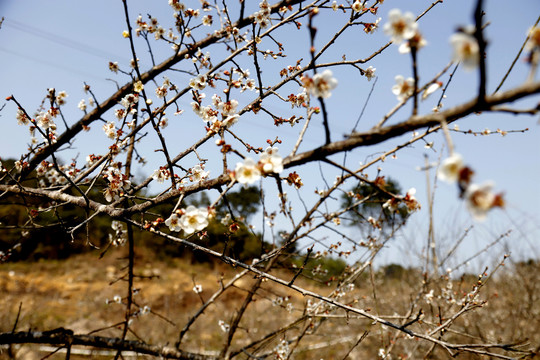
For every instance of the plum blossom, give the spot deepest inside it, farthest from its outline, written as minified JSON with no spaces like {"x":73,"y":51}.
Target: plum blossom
{"x":410,"y":200}
{"x":370,"y":28}
{"x":194,"y":219}
{"x":45,"y":120}
{"x":177,"y":5}
{"x":271,"y":161}
{"x":403,"y":88}
{"x":224,"y":326}
{"x":247,"y":172}
{"x":113,"y":66}
{"x":207,"y":20}
{"x":82,"y":105}
{"x":262,"y":17}
{"x":450,"y":168}
{"x":21,"y":117}
{"x":198,"y":173}
{"x":479,"y":199}
{"x":129,"y":100}
{"x":110,"y":130}
{"x":400,"y":26}
{"x":370,"y":73}
{"x":138,"y":86}
{"x":61,"y":97}
{"x":117,"y":183}
{"x":357,"y":6}
{"x":321,"y":84}
{"x":161,"y":174}
{"x":199,"y":82}
{"x":173,"y":222}
{"x":465,"y":50}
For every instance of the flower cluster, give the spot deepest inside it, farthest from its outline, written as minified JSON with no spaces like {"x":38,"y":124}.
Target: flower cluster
{"x":479,"y":199}
{"x":189,"y":220}
{"x":262,"y":17}
{"x":198,"y":173}
{"x":177,"y":5}
{"x":409,"y":200}
{"x":47,"y":173}
{"x":198,"y":82}
{"x":249,"y":171}
{"x":321,"y":84}
{"x":210,"y":114}
{"x":161,"y":174}
{"x":118,"y":182}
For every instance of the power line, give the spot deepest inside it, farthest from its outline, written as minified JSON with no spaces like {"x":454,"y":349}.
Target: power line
{"x":63,"y":41}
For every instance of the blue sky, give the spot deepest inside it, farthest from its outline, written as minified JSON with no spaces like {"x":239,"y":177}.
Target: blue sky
{"x":65,"y":43}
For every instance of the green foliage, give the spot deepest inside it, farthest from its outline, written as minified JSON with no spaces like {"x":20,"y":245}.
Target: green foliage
{"x":375,"y":197}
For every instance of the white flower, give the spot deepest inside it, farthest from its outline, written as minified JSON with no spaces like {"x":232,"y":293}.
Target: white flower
{"x":45,"y":120}
{"x":370,"y":73}
{"x":207,"y":20}
{"x":247,"y":172}
{"x":177,"y":5}
{"x":129,"y":100}
{"x":194,"y":219}
{"x":450,"y":168}
{"x":480,"y":199}
{"x":321,"y":84}
{"x":61,"y":97}
{"x":231,"y":120}
{"x":334,"y":5}
{"x":163,"y":122}
{"x":21,"y":117}
{"x":223,"y":325}
{"x":198,"y":83}
{"x":403,"y":88}
{"x":466,"y":50}
{"x":198,"y":173}
{"x":271,"y":161}
{"x":400,"y":27}
{"x":138,"y":86}
{"x":173,"y":223}
{"x":197,"y":289}
{"x":161,"y":174}
{"x":357,"y":6}
{"x":82,"y":105}
{"x":110,"y":130}
{"x":145,"y":310}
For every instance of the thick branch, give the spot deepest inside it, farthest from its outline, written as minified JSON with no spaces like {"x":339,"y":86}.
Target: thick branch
{"x":379,"y":135}
{"x":63,"y":337}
